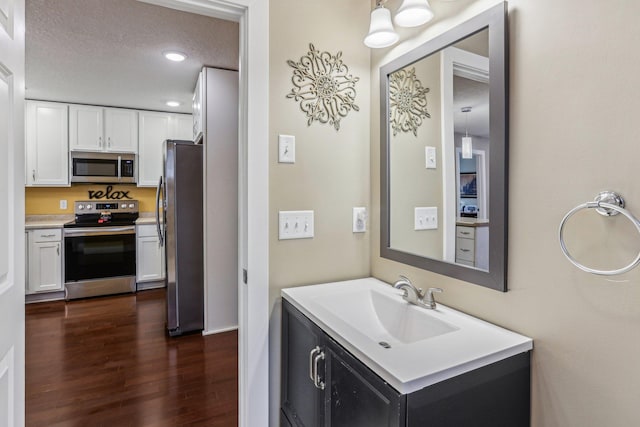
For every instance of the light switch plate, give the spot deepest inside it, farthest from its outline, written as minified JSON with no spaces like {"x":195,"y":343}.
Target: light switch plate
{"x":286,"y":149}
{"x":430,"y":156}
{"x":295,"y":225}
{"x":426,"y":218}
{"x":359,"y":220}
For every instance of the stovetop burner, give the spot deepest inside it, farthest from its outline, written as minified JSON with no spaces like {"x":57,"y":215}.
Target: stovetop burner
{"x":100,"y":214}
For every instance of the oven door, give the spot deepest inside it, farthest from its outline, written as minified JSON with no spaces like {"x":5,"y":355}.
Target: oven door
{"x":99,"y":252}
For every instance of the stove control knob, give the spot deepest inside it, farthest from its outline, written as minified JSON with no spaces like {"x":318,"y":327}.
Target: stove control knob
{"x":131,"y":206}
{"x":80,"y":207}
{"x":123,"y":206}
{"x":88,"y":206}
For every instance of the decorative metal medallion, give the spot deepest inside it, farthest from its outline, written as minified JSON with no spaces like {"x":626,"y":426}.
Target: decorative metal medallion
{"x":407,"y":101}
{"x":323,"y":86}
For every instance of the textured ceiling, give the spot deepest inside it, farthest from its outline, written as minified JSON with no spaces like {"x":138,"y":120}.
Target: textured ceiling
{"x":109,"y":52}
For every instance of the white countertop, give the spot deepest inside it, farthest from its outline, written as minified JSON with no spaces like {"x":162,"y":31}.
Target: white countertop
{"x":144,"y":220}
{"x":467,"y":344}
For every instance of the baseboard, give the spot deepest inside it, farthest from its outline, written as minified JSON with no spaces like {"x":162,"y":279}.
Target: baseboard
{"x":44,"y":297}
{"x":219,"y":331}
{"x":143,"y":286}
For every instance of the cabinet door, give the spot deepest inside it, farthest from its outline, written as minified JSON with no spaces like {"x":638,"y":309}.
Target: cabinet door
{"x":121,"y":130}
{"x":45,"y":267}
{"x":357,"y":397}
{"x":182,"y":127}
{"x":154,"y":128}
{"x":85,"y":128}
{"x":301,"y":400}
{"x":47,"y":150}
{"x":150,"y":258}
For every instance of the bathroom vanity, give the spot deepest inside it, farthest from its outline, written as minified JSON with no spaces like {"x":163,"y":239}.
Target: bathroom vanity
{"x":356,"y":354}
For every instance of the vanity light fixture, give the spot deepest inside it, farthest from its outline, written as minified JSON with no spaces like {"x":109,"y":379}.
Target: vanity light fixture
{"x":381,"y":32}
{"x":173,"y":104}
{"x":467,"y":147}
{"x":174,"y":56}
{"x":413,"y":13}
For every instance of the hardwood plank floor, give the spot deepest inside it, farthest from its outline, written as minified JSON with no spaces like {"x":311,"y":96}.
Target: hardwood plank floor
{"x":109,"y":362}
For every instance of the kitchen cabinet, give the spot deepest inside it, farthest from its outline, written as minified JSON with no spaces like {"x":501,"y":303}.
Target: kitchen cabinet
{"x":198,"y":98}
{"x":44,"y":260}
{"x":472,"y":245}
{"x":94,"y":128}
{"x":46,"y":144}
{"x":150,"y":263}
{"x":323,"y":384}
{"x":154,"y":129}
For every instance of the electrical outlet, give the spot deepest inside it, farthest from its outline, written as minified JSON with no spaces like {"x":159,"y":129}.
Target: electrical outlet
{"x":63,"y":204}
{"x":359,"y":220}
{"x":295,"y":225}
{"x":426,"y":218}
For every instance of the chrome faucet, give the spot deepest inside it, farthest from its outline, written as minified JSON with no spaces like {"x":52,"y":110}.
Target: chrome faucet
{"x":415,"y":295}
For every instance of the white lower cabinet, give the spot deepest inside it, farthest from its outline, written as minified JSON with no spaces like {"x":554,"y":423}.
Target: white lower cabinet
{"x":44,"y":260}
{"x":149,"y":256}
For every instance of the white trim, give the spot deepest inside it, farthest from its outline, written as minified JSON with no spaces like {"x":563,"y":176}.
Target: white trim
{"x":458,"y":62}
{"x":253,"y":310}
{"x":7,"y":368}
{"x":219,"y":331}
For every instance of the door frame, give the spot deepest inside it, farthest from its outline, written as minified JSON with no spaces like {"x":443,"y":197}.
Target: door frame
{"x":253,"y":200}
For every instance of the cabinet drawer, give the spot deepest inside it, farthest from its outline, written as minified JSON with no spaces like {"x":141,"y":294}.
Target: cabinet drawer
{"x":147,"y":230}
{"x":465,"y":232}
{"x":465,"y":249}
{"x":47,"y":235}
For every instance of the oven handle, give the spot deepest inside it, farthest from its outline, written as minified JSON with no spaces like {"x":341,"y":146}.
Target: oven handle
{"x":157,"y":208}
{"x":98,"y":231}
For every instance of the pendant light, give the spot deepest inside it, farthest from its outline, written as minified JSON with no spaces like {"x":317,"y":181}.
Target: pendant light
{"x":467,"y":147}
{"x":413,"y":13}
{"x":381,"y":32}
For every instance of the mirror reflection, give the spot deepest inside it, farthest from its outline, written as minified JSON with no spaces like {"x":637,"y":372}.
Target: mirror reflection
{"x":439,"y":151}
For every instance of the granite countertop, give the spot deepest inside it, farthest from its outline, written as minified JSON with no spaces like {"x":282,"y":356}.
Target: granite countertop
{"x":146,"y":218}
{"x":472,"y":222}
{"x":46,"y":221}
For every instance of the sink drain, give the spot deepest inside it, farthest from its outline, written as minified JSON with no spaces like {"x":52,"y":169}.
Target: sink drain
{"x":384,"y":344}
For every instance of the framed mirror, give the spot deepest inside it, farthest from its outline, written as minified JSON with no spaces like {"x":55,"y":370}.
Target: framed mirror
{"x":444,"y":124}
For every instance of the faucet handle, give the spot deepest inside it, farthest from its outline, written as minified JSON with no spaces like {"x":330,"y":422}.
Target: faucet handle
{"x":431,"y":302}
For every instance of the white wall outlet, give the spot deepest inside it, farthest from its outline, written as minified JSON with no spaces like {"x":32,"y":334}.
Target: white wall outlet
{"x":426,"y":218}
{"x":286,"y":149}
{"x":359,"y":220}
{"x":295,"y":225}
{"x":63,"y":204}
{"x":430,"y":155}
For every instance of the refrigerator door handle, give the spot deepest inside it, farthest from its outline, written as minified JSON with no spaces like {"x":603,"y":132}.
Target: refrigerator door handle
{"x":158,"y":207}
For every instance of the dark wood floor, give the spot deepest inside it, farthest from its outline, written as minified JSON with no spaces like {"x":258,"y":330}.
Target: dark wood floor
{"x":109,"y":362}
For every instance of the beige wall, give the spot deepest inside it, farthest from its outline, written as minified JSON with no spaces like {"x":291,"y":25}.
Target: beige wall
{"x":412,"y":184}
{"x":573,"y":102}
{"x":331,"y":173}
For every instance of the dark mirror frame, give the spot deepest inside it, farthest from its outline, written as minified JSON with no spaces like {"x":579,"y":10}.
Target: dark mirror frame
{"x":495,"y":19}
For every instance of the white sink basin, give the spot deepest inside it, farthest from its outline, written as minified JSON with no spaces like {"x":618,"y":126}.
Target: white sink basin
{"x":383,"y":317}
{"x":410,"y":347}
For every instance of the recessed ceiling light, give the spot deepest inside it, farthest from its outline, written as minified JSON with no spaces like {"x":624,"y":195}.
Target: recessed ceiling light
{"x":175,"y":56}
{"x":173,"y":103}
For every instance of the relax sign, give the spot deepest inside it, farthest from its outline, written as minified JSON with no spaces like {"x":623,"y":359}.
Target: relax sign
{"x":109,"y":194}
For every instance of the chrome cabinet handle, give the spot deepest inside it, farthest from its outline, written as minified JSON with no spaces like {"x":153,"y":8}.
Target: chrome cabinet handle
{"x":465,"y":250}
{"x":48,"y":235}
{"x":316,"y":381}
{"x":58,"y":249}
{"x":312,"y":372}
{"x":464,"y":232}
{"x":100,"y":141}
{"x":109,"y":141}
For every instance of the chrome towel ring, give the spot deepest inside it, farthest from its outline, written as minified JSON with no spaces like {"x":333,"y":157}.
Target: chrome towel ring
{"x":607,"y":203}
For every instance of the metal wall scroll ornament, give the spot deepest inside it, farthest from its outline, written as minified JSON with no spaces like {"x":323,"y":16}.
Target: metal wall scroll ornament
{"x":407,"y":101}
{"x":323,"y":86}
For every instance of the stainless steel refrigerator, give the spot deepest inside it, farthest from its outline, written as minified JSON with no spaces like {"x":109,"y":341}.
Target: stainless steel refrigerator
{"x":180,"y":230}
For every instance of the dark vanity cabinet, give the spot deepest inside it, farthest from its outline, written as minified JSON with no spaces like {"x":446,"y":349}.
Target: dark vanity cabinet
{"x":324,"y":385}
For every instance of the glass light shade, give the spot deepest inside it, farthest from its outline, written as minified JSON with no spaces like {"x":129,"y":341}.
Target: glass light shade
{"x":413,"y":13}
{"x":381,"y":32}
{"x":467,"y":148}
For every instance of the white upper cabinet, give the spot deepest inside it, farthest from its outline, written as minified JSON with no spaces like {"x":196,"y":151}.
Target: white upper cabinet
{"x":182,"y":126}
{"x":197,"y":109}
{"x":103,"y":129}
{"x":153,"y":130}
{"x":47,"y":150}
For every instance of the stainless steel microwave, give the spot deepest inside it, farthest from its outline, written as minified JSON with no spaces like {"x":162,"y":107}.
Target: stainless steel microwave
{"x":103,"y":167}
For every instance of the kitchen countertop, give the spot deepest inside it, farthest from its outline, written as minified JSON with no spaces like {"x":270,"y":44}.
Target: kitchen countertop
{"x":472,"y":222}
{"x":144,"y":220}
{"x":33,"y":222}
